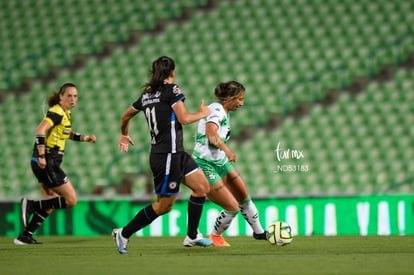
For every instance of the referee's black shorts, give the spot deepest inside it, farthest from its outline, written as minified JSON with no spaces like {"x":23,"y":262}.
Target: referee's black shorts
{"x":52,"y":175}
{"x":169,"y":170}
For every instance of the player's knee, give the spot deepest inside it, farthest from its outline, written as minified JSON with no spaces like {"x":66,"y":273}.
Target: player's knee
{"x":203,"y":188}
{"x":167,"y":209}
{"x":49,"y":211}
{"x":163,"y":209}
{"x":71,"y":201}
{"x":200,"y":192}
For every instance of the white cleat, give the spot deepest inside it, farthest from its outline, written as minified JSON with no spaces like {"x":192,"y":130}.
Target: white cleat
{"x":199,"y":241}
{"x":120,"y":242}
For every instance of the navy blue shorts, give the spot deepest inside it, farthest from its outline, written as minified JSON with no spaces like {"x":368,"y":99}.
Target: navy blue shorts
{"x":169,"y":170}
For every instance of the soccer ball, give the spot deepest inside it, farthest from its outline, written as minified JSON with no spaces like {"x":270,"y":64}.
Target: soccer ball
{"x":280,"y":233}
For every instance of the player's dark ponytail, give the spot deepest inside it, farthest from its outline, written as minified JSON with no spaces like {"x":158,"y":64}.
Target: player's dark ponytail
{"x":161,"y":69}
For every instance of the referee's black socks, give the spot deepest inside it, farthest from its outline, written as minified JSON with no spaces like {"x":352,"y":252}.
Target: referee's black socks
{"x":53,"y":203}
{"x":38,"y":218}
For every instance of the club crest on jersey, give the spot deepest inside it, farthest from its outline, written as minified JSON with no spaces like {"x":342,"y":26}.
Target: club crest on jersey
{"x":172,"y":185}
{"x":177,"y":90}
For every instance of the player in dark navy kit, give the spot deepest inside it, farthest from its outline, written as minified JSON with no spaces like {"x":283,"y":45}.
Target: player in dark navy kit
{"x":162,"y":103}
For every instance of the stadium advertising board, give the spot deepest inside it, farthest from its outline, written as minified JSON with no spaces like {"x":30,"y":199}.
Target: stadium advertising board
{"x":323,"y":216}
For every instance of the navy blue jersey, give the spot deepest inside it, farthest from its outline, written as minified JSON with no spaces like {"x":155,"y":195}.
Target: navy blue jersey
{"x":166,"y":132}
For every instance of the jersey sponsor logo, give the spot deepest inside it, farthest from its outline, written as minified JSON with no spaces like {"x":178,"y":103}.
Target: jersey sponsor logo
{"x":177,"y":91}
{"x":149,"y":98}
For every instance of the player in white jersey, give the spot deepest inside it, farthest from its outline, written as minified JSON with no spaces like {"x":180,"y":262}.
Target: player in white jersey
{"x":227,"y":187}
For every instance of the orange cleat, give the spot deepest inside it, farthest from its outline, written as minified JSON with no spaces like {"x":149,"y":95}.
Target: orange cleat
{"x":218,"y":240}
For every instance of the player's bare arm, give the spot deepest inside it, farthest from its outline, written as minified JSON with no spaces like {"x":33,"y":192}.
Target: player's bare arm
{"x":214,"y":138}
{"x":80,"y":137}
{"x":185,"y":117}
{"x":125,"y":139}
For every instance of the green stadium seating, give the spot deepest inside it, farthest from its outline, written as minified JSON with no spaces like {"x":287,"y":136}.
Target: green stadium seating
{"x":267,"y":47}
{"x":38,"y":36}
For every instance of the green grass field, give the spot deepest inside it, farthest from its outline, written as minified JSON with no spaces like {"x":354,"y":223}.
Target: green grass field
{"x":166,"y":255}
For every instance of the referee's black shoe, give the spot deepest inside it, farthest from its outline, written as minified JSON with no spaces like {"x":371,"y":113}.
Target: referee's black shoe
{"x":23,"y":240}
